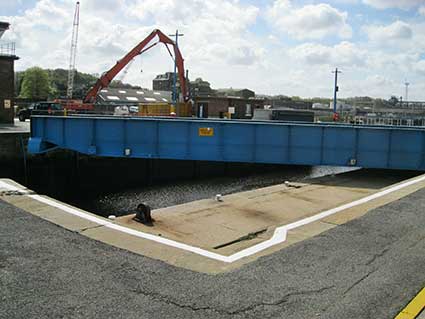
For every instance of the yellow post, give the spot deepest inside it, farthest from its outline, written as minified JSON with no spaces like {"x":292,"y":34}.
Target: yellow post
{"x":172,"y":109}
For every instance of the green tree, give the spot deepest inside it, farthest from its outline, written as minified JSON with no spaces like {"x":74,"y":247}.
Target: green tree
{"x":36,"y":84}
{"x":19,"y":76}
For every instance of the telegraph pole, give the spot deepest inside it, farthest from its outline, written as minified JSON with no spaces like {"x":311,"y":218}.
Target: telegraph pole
{"x":336,"y":89}
{"x":177,"y":35}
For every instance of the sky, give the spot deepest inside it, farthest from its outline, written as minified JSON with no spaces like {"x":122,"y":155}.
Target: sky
{"x":270,"y":46}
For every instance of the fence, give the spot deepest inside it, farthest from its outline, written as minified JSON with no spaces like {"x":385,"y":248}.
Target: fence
{"x":7,"y":49}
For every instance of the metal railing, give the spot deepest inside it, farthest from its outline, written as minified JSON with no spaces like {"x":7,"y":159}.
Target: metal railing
{"x":7,"y":49}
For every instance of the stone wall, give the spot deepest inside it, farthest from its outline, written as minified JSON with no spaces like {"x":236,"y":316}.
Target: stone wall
{"x":10,"y":145}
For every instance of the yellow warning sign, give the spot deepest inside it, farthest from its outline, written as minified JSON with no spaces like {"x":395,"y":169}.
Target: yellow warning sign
{"x":206,"y":131}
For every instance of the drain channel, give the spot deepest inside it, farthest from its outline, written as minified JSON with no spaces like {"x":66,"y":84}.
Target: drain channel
{"x":249,"y":236}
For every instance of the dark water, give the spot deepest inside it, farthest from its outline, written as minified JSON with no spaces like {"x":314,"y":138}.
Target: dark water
{"x":178,"y":192}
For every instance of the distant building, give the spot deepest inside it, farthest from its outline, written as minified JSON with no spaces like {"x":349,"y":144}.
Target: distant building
{"x":320,"y":106}
{"x":283,"y":115}
{"x":287,"y":102}
{"x":200,"y":87}
{"x":242,"y":93}
{"x":164,"y":82}
{"x":7,"y":78}
{"x":220,"y":106}
{"x":341,"y":106}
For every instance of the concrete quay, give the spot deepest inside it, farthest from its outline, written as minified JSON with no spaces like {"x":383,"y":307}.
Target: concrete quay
{"x":12,"y":137}
{"x":364,"y":261}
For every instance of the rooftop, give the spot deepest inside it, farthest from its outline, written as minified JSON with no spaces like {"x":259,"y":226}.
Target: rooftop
{"x":134,"y":96}
{"x":3,"y":27}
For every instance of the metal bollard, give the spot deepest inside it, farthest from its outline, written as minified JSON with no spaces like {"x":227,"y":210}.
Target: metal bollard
{"x":143,"y":214}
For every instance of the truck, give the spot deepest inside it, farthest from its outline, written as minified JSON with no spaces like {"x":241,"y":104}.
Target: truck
{"x":45,"y":108}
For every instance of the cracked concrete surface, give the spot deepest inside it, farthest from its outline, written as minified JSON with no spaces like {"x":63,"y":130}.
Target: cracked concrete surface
{"x":367,"y":268}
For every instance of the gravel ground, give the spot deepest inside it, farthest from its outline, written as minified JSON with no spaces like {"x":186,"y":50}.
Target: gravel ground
{"x":368,"y":268}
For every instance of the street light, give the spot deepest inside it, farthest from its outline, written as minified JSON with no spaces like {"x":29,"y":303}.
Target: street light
{"x":336,"y":89}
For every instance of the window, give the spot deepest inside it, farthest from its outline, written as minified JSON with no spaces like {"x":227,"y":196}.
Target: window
{"x":248,"y":110}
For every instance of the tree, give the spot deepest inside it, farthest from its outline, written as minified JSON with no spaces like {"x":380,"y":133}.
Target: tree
{"x":393,"y":100}
{"x":19,"y":76}
{"x":35,"y":84}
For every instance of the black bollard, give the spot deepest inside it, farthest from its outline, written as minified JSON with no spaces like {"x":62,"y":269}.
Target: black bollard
{"x":143,"y":214}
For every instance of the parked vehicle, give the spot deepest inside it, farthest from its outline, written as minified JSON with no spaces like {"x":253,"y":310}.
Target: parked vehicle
{"x":121,"y":110}
{"x":45,"y":108}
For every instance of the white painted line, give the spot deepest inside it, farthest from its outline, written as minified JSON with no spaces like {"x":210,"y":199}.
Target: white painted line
{"x":70,"y":210}
{"x":279,"y":235}
{"x":9,"y":187}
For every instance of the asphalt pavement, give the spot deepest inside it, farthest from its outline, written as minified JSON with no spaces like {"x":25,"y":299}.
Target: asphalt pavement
{"x":23,"y":127}
{"x":367,"y":268}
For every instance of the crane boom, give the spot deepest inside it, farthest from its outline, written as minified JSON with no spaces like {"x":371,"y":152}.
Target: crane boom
{"x":108,"y":76}
{"x":74,"y":41}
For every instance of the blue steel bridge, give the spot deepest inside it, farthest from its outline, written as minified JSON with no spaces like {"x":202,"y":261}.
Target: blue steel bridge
{"x":232,"y":141}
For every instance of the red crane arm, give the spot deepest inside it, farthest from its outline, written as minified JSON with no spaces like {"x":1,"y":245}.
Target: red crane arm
{"x":108,"y":76}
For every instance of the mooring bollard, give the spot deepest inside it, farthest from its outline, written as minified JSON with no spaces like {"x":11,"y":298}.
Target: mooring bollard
{"x":143,"y":214}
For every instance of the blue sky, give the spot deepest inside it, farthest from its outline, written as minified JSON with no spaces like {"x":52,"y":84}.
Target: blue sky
{"x":271,"y":46}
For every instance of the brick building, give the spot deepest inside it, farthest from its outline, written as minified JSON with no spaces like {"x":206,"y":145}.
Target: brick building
{"x":7,"y":78}
{"x":164,"y":82}
{"x":200,"y":87}
{"x":220,"y":106}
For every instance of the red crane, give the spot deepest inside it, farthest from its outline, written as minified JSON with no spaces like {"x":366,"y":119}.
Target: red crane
{"x":108,"y":76}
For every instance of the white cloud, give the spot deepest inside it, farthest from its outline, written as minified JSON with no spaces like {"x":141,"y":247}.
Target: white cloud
{"x":221,"y":44}
{"x":216,"y":33}
{"x":344,"y":54}
{"x":397,"y":31}
{"x":421,"y":10}
{"x":310,"y":21}
{"x":400,"y":4}
{"x":216,"y":30}
{"x":420,"y":67}
{"x":377,"y":80}
{"x":398,"y":63}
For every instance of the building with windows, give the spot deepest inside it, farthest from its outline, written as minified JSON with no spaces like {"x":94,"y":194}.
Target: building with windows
{"x":222,"y":106}
{"x":200,"y":87}
{"x":164,"y":82}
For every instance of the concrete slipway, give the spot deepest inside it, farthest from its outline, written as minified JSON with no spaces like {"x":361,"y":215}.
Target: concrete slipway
{"x":313,"y":268}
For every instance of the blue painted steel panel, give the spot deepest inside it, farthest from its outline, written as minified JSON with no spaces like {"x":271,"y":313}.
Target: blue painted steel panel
{"x":338,"y":143}
{"x":233,"y":141}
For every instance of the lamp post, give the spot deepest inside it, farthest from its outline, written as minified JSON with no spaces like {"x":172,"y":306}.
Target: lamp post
{"x":336,"y":89}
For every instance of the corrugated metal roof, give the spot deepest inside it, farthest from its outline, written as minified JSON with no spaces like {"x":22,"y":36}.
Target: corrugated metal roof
{"x":131,"y":96}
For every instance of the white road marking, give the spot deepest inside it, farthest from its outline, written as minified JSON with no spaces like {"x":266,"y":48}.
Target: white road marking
{"x":279,"y":235}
